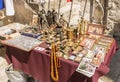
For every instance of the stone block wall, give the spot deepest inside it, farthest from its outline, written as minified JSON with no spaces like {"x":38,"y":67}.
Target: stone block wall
{"x":24,"y":13}
{"x":114,"y":17}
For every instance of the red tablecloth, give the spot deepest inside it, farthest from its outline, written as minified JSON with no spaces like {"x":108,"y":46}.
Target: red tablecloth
{"x":37,"y":64}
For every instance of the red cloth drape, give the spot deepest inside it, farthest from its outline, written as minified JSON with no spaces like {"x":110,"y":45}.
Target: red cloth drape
{"x":69,"y":0}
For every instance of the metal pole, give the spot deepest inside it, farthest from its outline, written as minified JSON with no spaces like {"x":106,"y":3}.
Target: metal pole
{"x":70,"y":14}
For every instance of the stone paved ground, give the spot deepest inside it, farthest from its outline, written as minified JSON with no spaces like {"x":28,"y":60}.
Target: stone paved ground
{"x":3,"y":65}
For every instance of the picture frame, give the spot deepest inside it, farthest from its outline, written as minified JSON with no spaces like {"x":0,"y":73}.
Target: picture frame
{"x":99,"y":51}
{"x":106,"y":39}
{"x":87,"y":42}
{"x":86,"y":68}
{"x":95,"y":29}
{"x":96,"y":61}
{"x":108,"y":44}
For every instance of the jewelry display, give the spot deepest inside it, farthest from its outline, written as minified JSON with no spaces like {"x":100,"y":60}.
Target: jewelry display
{"x":55,"y":63}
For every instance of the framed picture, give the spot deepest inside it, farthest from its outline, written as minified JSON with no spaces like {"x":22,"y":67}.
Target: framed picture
{"x":94,"y":36}
{"x":87,"y":42}
{"x":108,"y":44}
{"x":85,"y":67}
{"x":99,"y":51}
{"x":96,"y":61}
{"x":95,"y":29}
{"x":106,"y":39}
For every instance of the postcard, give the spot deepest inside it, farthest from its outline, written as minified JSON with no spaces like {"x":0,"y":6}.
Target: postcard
{"x":99,"y":51}
{"x":85,"y":67}
{"x":90,"y":54}
{"x":78,"y":59}
{"x":96,"y":61}
{"x":87,"y":42}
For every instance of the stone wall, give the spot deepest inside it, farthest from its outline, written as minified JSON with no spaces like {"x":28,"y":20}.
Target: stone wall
{"x":114,"y":17}
{"x":24,"y":13}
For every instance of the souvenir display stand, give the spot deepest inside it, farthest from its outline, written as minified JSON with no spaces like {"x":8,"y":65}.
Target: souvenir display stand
{"x":64,"y":59}
{"x":54,"y":51}
{"x":37,"y":64}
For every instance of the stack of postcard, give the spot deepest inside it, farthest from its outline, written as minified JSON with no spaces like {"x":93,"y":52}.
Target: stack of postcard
{"x":92,"y":59}
{"x":86,"y":68}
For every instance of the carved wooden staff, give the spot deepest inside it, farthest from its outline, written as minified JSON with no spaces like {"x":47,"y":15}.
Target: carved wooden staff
{"x":84,"y":8}
{"x":59,"y":8}
{"x":70,"y":14}
{"x":91,"y":10}
{"x":49,"y":5}
{"x":105,"y":12}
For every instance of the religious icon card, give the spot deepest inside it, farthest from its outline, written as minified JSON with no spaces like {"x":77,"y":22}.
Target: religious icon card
{"x":85,"y":67}
{"x":99,"y":51}
{"x":106,"y":39}
{"x":90,"y":54}
{"x":108,"y":44}
{"x":87,"y":42}
{"x":95,"y":29}
{"x":96,"y":61}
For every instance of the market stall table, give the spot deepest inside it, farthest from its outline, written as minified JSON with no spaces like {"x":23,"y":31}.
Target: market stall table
{"x":37,"y":64}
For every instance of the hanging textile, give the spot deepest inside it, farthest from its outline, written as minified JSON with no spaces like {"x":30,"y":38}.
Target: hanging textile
{"x":9,"y":7}
{"x":69,"y":0}
{"x":1,"y":4}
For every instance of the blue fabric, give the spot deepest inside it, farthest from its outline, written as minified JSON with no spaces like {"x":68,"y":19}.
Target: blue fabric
{"x":1,"y":4}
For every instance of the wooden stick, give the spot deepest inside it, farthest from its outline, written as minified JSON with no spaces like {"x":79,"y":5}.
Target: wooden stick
{"x":84,"y":8}
{"x":49,"y":5}
{"x":59,"y":8}
{"x":70,"y":14}
{"x":105,"y":12}
{"x":91,"y":10}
